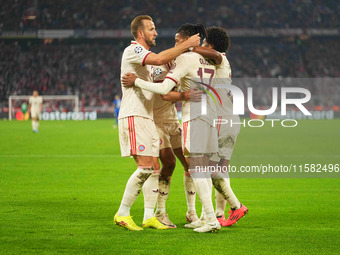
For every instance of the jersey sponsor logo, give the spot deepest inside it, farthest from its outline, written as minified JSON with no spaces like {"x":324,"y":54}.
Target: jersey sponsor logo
{"x":141,"y":147}
{"x":138,"y":49}
{"x":160,"y":141}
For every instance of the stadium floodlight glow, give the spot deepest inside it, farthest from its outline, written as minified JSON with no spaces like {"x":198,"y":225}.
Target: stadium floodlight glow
{"x":45,"y":98}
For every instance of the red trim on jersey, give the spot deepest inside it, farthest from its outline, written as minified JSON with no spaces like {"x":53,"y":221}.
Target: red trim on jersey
{"x":133,"y":42}
{"x":132,"y":135}
{"x":143,"y":64}
{"x":171,"y":79}
{"x":185,"y":131}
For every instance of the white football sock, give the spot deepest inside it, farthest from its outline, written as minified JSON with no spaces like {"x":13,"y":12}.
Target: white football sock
{"x":37,"y":125}
{"x":220,"y":203}
{"x":190,"y":192}
{"x":124,"y":210}
{"x":211,"y":218}
{"x":148,"y":213}
{"x":164,"y":188}
{"x":133,"y":188}
{"x":223,"y":186}
{"x":203,"y":214}
{"x":203,"y":192}
{"x":150,"y":192}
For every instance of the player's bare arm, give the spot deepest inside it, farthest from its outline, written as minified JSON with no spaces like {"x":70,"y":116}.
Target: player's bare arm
{"x":170,"y":54}
{"x":209,"y":54}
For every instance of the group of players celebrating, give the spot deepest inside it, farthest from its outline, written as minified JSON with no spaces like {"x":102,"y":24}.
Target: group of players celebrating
{"x":149,"y":129}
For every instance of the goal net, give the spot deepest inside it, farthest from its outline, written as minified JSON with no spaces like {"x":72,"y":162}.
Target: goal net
{"x":54,"y":105}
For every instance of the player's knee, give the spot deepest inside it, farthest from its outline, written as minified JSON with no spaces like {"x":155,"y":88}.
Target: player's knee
{"x":169,"y":163}
{"x":168,"y":169}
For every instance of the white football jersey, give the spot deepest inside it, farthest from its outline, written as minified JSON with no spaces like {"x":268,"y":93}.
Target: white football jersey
{"x":35,"y":102}
{"x":223,"y":76}
{"x":192,"y":70}
{"x":136,"y":101}
{"x":163,"y":111}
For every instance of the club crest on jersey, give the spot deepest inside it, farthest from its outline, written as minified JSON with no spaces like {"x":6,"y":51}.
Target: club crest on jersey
{"x":141,"y":147}
{"x":138,"y":49}
{"x":158,"y":71}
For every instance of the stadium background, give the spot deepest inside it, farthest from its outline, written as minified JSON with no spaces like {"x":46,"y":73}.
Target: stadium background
{"x":59,"y":189}
{"x":75,"y":47}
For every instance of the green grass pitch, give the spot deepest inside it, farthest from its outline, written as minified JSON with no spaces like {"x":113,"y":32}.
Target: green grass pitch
{"x":60,"y":189}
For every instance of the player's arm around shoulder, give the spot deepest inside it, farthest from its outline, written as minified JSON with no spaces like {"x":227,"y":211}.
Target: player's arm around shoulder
{"x":209,"y":54}
{"x":179,"y":70}
{"x":170,"y":54}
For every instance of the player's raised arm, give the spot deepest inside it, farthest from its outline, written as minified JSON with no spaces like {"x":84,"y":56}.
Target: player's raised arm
{"x":170,"y":54}
{"x":209,"y":54}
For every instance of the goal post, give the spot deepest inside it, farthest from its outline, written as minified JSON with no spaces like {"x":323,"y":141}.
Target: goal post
{"x":11,"y":106}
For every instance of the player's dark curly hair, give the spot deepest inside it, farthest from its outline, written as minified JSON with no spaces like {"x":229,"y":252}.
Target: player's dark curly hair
{"x":192,"y":29}
{"x":218,"y":38}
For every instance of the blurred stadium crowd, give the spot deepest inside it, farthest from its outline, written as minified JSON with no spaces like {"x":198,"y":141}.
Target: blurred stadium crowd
{"x":90,"y":68}
{"x":87,"y":14}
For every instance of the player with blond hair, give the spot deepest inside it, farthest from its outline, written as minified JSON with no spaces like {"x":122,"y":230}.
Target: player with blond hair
{"x":199,"y":138}
{"x":137,"y":132}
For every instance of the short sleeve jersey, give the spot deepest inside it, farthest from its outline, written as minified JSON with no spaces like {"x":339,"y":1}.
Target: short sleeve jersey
{"x":191,"y":69}
{"x":35,"y":103}
{"x":136,"y":101}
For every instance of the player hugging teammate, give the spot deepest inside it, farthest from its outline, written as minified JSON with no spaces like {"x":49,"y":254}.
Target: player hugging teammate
{"x":200,"y":139}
